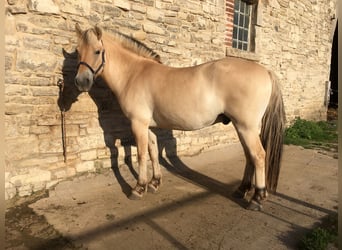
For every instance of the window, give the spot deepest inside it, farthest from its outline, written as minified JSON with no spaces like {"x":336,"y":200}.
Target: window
{"x":239,"y":16}
{"x":242,"y":14}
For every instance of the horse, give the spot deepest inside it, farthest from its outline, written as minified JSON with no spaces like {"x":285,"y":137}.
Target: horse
{"x":152,"y":94}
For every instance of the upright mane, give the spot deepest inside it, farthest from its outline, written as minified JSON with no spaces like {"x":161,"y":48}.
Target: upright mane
{"x":135,"y":46}
{"x":126,"y":41}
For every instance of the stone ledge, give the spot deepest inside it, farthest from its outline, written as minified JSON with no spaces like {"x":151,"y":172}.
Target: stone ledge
{"x":252,"y":56}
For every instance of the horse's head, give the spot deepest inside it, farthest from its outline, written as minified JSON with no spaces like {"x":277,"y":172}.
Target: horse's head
{"x":91,"y":55}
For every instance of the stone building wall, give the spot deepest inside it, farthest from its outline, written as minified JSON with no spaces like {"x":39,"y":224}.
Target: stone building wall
{"x":291,"y":38}
{"x":294,"y":39}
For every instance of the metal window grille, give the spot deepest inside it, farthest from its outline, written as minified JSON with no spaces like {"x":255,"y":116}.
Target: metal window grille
{"x":241,"y":26}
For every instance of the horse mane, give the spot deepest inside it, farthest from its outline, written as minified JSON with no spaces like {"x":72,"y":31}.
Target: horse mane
{"x":127,"y":42}
{"x":135,"y":46}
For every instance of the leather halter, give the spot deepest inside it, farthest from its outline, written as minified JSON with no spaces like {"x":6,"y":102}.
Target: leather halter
{"x":90,"y":68}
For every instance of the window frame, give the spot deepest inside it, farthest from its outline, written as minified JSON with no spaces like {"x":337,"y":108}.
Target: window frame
{"x":242,"y":25}
{"x":232,"y":25}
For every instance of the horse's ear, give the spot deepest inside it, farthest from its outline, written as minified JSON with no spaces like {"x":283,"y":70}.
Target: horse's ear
{"x":78,"y":30}
{"x":98,"y":32}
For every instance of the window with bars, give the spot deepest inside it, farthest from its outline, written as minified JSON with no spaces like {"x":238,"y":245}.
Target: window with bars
{"x":242,"y":15}
{"x":239,"y":16}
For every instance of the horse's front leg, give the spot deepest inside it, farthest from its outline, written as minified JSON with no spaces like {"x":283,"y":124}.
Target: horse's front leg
{"x":155,"y":182}
{"x":140,"y":131}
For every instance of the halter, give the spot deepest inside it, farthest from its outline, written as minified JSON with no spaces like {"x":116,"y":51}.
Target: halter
{"x":90,"y":68}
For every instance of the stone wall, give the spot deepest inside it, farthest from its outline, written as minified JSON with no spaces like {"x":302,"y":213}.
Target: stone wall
{"x":294,"y":39}
{"x":291,"y":37}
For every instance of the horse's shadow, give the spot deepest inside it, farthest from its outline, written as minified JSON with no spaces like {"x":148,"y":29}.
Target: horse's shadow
{"x":116,"y":126}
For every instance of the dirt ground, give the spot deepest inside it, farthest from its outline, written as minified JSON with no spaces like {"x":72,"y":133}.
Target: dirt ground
{"x":194,"y":208}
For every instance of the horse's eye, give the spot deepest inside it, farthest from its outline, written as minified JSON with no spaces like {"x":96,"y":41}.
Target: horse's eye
{"x":97,"y":52}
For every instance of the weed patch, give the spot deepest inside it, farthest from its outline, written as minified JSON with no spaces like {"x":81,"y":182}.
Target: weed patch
{"x":309,"y":134}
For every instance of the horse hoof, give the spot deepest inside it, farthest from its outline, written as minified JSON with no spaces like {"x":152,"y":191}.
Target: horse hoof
{"x":152,"y":189}
{"x":154,"y":185}
{"x":138,"y":192}
{"x":135,"y":195}
{"x":254,"y":206}
{"x":238,"y":194}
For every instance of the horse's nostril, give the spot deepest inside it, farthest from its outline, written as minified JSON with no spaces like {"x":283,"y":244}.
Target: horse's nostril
{"x":76,"y":82}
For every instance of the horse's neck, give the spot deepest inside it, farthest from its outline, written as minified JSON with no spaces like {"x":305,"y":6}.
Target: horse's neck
{"x":118,"y":66}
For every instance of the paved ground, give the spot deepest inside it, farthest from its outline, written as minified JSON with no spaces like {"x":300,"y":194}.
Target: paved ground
{"x":193,"y":210}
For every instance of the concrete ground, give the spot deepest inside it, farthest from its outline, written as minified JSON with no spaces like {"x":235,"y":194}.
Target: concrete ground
{"x":194,"y":208}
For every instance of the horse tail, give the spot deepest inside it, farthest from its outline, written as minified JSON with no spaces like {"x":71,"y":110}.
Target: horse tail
{"x":272,"y":134}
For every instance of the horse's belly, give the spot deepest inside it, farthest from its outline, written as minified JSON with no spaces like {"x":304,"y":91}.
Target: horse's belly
{"x":185,"y":120}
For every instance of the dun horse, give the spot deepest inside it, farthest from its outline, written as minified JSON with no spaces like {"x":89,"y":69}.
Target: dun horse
{"x":155,"y":95}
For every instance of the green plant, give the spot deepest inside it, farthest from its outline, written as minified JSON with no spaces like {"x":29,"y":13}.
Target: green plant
{"x":309,"y":134}
{"x":318,"y":239}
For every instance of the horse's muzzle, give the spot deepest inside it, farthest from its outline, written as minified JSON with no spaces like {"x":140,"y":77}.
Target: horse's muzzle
{"x":84,"y":81}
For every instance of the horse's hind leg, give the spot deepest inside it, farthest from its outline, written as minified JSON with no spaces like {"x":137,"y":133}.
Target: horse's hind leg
{"x":255,"y":154}
{"x":246,"y":183}
{"x":155,"y":182}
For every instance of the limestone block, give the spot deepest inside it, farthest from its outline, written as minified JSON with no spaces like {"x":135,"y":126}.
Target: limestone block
{"x":25,"y":190}
{"x":11,"y":41}
{"x":45,"y":91}
{"x":8,"y":175}
{"x":91,"y":141}
{"x":48,"y":119}
{"x":15,"y":109}
{"x":172,"y":21}
{"x":17,"y":90}
{"x":139,"y":35}
{"x":10,"y":193}
{"x":44,"y":6}
{"x":89,"y":155}
{"x":50,"y":184}
{"x":155,"y":14}
{"x":76,"y":7}
{"x":29,"y":60}
{"x":157,"y":39}
{"x":106,"y":163}
{"x":60,"y":174}
{"x":17,"y":8}
{"x":86,"y":166}
{"x":34,"y":176}
{"x":112,"y":11}
{"x":20,"y":147}
{"x":153,"y":28}
{"x":122,"y":4}
{"x":139,"y":8}
{"x":38,"y":186}
{"x":35,"y":161}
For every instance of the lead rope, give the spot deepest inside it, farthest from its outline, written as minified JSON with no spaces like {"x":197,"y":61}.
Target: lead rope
{"x":60,"y":84}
